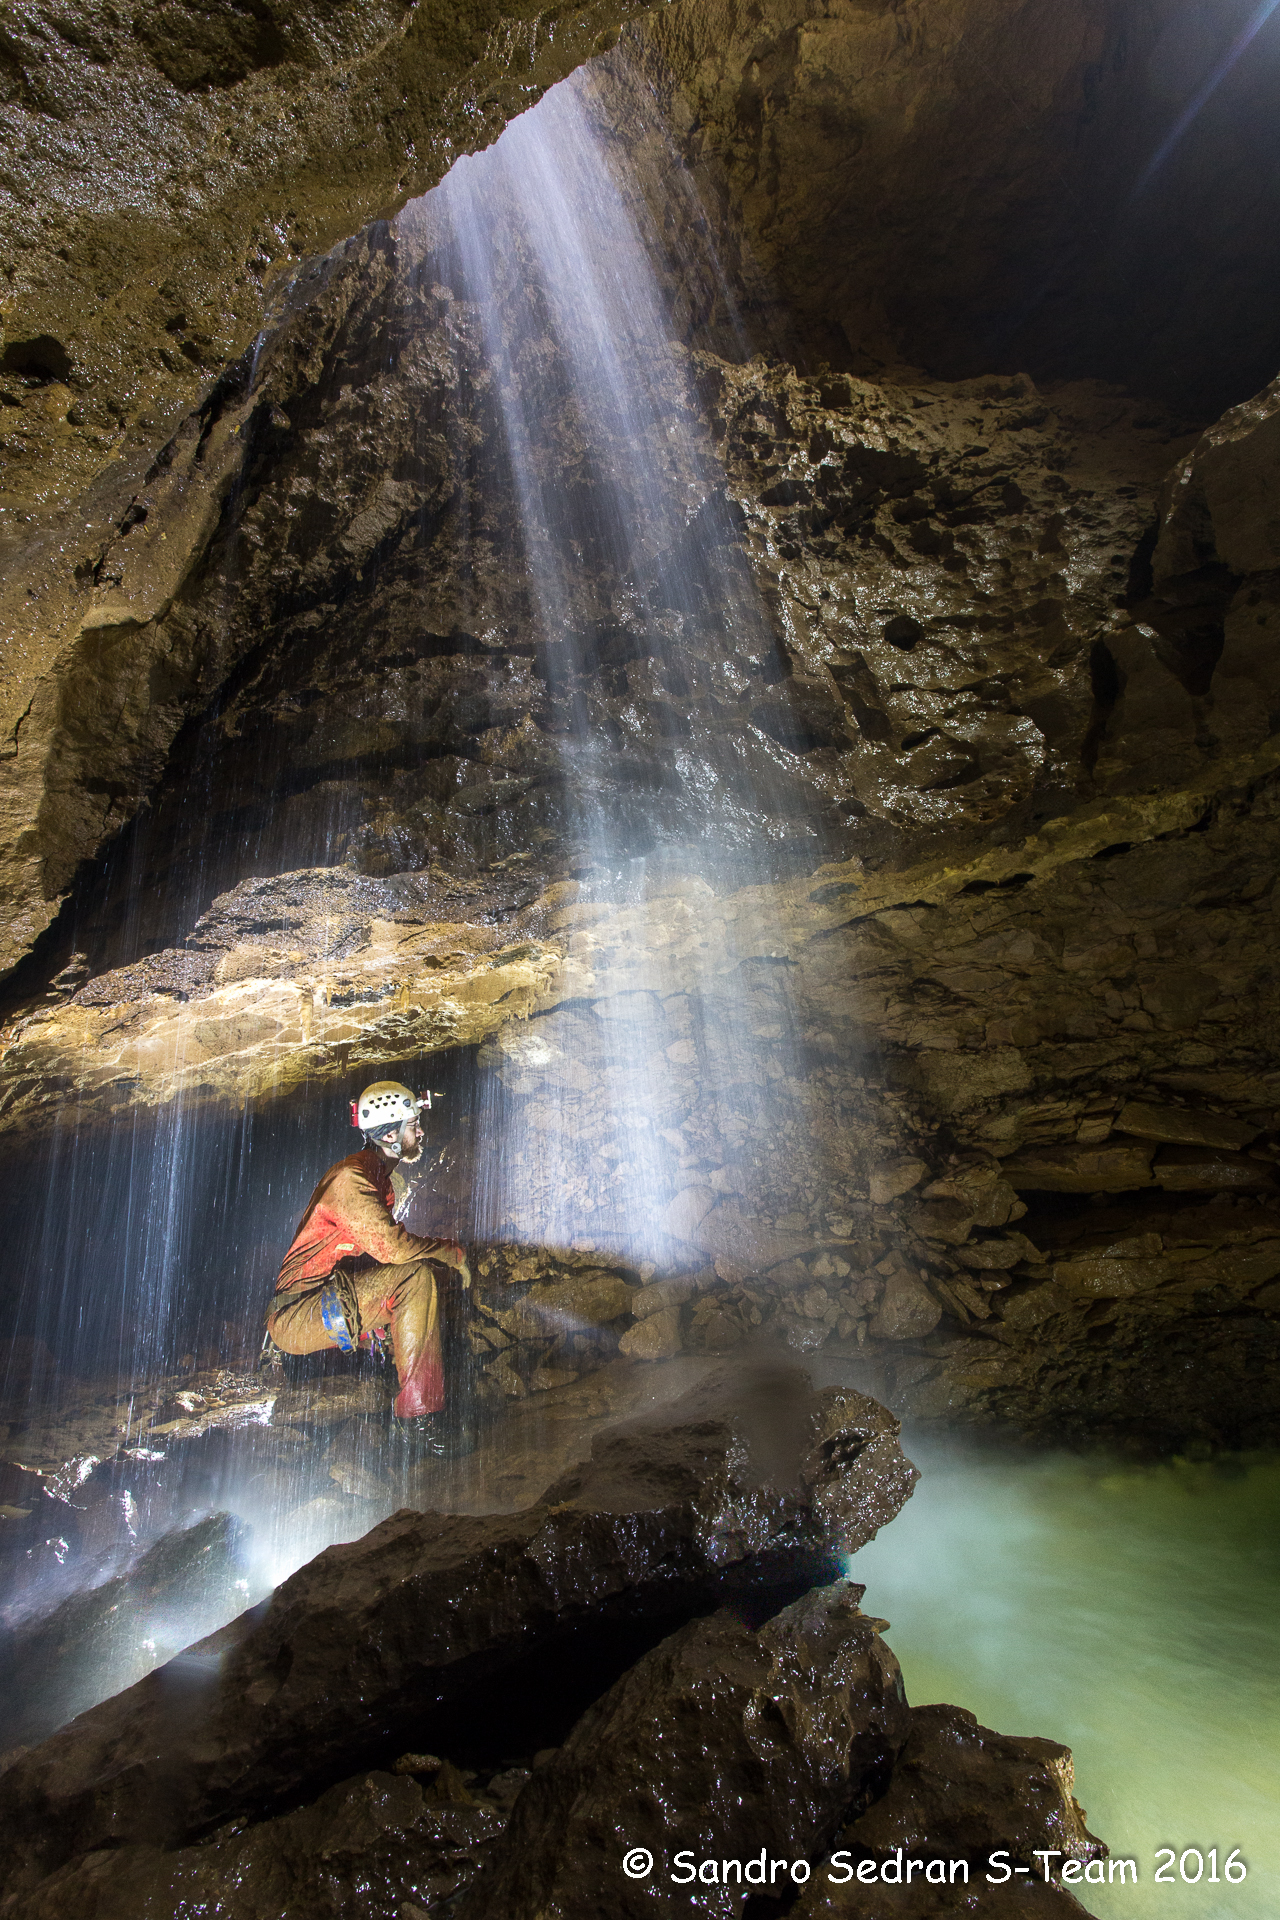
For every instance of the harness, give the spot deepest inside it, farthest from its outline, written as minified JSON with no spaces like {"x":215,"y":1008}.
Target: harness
{"x":335,"y":1320}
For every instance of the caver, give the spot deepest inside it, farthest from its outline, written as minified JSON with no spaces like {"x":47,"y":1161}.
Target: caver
{"x":353,"y":1272}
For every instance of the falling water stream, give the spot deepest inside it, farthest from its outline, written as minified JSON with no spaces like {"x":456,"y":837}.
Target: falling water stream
{"x":1122,"y":1610}
{"x":169,"y":1227}
{"x":547,"y":238}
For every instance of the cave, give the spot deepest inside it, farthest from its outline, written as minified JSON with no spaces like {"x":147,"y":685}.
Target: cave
{"x":680,"y":601}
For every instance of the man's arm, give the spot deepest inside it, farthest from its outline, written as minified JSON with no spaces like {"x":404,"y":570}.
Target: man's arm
{"x":360,"y":1205}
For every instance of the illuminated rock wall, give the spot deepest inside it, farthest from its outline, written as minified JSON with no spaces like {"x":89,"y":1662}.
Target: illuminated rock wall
{"x":1037,"y":741}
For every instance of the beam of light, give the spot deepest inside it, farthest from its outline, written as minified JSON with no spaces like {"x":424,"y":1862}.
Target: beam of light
{"x":1239,"y":45}
{"x":596,"y":1122}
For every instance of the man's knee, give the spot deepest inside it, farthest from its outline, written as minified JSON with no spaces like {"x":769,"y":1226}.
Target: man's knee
{"x":297,"y":1328}
{"x":415,"y":1282}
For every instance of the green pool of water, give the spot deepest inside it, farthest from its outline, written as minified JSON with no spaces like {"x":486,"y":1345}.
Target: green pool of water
{"x":1131,"y":1612}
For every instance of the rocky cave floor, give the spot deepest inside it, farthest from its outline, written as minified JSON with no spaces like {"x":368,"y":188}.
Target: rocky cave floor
{"x":662,"y":1649}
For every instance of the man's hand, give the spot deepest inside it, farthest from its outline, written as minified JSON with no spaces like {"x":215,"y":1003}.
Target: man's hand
{"x":457,"y":1259}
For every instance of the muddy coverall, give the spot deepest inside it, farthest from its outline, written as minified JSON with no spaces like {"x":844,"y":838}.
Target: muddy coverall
{"x":352,"y":1269}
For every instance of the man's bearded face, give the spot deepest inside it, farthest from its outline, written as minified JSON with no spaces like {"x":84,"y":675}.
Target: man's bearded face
{"x":412,"y":1140}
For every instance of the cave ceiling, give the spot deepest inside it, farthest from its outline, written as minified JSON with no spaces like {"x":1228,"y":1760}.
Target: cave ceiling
{"x":888,"y":184}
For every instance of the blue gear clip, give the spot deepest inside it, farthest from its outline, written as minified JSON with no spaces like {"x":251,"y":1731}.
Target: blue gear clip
{"x":335,"y":1320}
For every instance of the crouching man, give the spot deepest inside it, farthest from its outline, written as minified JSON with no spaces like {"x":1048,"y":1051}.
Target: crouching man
{"x":353,"y":1270}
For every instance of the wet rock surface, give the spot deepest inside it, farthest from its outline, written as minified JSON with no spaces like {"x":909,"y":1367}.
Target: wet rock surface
{"x":919,"y":1901}
{"x":777,"y":1721}
{"x":962,"y":1794}
{"x":720,"y":1742}
{"x":55,"y":1666}
{"x":951,"y":1776}
{"x":726,"y":1494}
{"x":378,"y":1846}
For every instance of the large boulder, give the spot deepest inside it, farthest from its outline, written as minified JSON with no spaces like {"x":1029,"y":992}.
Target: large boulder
{"x":721,"y":1742}
{"x":374,"y":1845}
{"x":982,"y":1804}
{"x":744,"y":1483}
{"x":726,"y":1742}
{"x":961,"y":1790}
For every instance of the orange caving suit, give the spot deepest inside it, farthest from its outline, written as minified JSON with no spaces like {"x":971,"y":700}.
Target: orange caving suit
{"x":348,"y":1241}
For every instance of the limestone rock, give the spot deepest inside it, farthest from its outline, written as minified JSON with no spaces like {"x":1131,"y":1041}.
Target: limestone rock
{"x":898,"y":1177}
{"x":719,"y":1325}
{"x":501,"y":1374}
{"x":1185,"y":1126}
{"x":1223,"y":501}
{"x":547,"y":1379}
{"x":1113,"y":1279}
{"x":675,"y":1755}
{"x":1154,"y":727}
{"x":766,"y":1476}
{"x":587,"y":1299}
{"x":982,"y":1190}
{"x":907,"y":1311}
{"x":380,"y":1838}
{"x":661,"y":1294}
{"x":656,"y":1337}
{"x":1208,"y":1170}
{"x":962,"y":1791}
{"x":998,"y":1253}
{"x":1108,"y":1169}
{"x":948,"y":1222}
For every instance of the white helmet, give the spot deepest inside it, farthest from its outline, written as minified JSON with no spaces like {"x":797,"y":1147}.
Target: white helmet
{"x":385,"y":1106}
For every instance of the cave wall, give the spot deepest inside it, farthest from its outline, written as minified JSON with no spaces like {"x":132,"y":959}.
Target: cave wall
{"x":1081,"y":191}
{"x":1014,"y":727}
{"x":170,"y":170}
{"x":885,"y":184}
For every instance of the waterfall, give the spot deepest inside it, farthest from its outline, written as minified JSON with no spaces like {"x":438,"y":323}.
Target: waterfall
{"x":632,"y":556}
{"x":625,"y":600}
